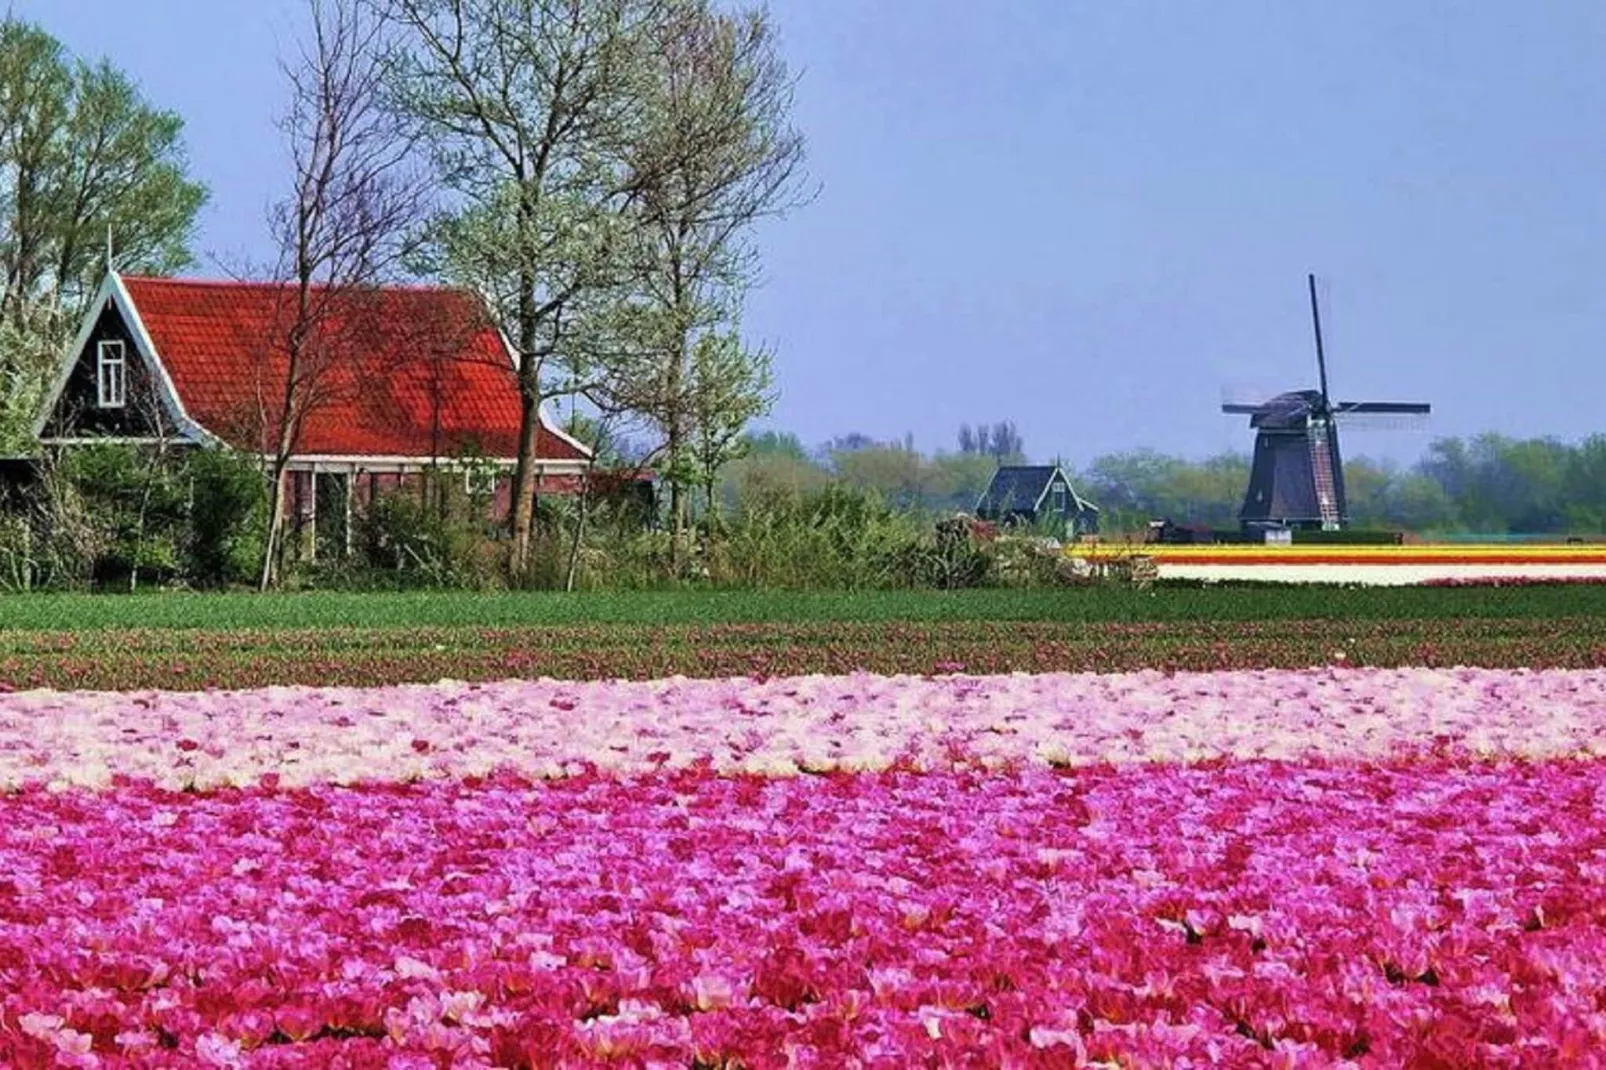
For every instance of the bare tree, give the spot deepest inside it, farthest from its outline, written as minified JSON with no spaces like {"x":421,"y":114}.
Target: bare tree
{"x":722,"y":155}
{"x":526,"y":105}
{"x":340,"y":231}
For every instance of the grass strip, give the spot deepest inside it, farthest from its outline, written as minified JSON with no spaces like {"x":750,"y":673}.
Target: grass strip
{"x":1167,"y":602}
{"x":189,"y":660}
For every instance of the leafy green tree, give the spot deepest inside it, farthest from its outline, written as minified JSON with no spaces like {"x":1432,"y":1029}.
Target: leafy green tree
{"x":81,"y":152}
{"x":1499,"y":484}
{"x":82,"y":156}
{"x":1584,"y":487}
{"x":1366,"y":487}
{"x":527,"y":108}
{"x":729,"y":388}
{"x":957,"y":480}
{"x":897,"y":475}
{"x":228,"y":517}
{"x":773,"y":477}
{"x":775,"y":444}
{"x":717,"y":154}
{"x":1418,"y":503}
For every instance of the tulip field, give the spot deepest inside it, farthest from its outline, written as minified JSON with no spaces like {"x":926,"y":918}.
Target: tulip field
{"x":1374,"y":842}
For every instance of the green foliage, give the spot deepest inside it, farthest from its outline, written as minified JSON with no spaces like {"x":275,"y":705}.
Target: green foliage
{"x":404,"y":540}
{"x":80,"y":153}
{"x":137,"y":499}
{"x":1584,"y":487}
{"x":1350,"y":537}
{"x":956,"y":481}
{"x":228,"y":524}
{"x":772,"y":475}
{"x":33,"y":333}
{"x":897,"y":475}
{"x":1133,"y":488}
{"x":775,"y":444}
{"x":836,"y":537}
{"x":320,"y":618}
{"x":91,"y":154}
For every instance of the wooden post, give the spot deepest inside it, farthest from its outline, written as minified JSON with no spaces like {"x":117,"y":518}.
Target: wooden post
{"x":351,"y":491}
{"x":309,"y":539}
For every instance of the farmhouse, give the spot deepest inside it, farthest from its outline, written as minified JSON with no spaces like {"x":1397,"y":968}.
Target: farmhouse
{"x":1037,"y":494}
{"x":406,"y":380}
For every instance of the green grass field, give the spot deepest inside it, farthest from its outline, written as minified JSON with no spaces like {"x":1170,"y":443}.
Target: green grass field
{"x":198,"y":641}
{"x":82,"y":613}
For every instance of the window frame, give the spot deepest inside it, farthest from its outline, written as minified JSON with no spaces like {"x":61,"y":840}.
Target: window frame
{"x":105,"y":397}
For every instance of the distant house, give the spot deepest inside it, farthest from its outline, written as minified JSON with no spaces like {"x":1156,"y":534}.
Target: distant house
{"x":418,"y":379}
{"x":1037,"y":494}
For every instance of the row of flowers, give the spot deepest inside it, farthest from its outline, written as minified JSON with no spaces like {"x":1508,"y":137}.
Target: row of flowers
{"x":548,"y":729}
{"x":1438,"y":912}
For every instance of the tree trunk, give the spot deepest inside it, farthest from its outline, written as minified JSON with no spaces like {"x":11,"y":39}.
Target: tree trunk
{"x":579,"y":529}
{"x":139,"y":532}
{"x":675,"y":434}
{"x":521,"y":511}
{"x":270,"y":554}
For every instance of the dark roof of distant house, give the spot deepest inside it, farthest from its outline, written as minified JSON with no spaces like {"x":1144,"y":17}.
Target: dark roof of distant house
{"x":1017,"y":488}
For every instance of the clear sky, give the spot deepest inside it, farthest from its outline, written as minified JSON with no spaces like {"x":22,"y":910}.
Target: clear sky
{"x":1090,"y":216}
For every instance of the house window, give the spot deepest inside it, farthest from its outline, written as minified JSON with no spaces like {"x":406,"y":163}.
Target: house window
{"x":479,"y":480}
{"x":111,"y":379}
{"x":1059,"y":498}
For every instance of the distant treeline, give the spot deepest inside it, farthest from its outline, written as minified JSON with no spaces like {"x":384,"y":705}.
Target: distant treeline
{"x":1489,"y":484}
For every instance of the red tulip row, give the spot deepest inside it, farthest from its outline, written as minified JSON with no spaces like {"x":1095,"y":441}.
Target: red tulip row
{"x":1437,"y":913}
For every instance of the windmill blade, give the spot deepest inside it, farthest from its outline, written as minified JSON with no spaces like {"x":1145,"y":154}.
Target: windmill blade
{"x":1321,"y":352}
{"x":1238,"y":408}
{"x":1401,"y":408}
{"x":1381,"y":421}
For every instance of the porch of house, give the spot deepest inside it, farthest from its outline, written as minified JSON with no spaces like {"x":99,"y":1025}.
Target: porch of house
{"x":323,"y":500}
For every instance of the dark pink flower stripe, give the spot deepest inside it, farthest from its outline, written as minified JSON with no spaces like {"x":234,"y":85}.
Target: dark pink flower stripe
{"x":1439,"y":912}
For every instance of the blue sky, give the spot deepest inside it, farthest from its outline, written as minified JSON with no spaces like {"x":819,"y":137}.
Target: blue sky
{"x":1091,"y":217}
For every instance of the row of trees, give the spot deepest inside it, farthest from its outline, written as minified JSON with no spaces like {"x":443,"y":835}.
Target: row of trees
{"x":1488,"y":485}
{"x":593,"y":169}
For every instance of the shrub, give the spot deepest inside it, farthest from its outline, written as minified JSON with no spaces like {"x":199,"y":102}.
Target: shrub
{"x":136,"y":500}
{"x":839,"y":537}
{"x":228,"y":518}
{"x":414,"y":543}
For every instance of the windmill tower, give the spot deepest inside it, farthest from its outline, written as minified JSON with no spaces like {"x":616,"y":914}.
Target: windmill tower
{"x":1297,"y":476}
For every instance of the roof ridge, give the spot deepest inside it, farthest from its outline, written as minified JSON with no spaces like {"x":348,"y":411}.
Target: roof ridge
{"x":263,"y":284}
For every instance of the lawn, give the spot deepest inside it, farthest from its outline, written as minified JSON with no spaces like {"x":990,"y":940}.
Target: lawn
{"x":79,"y":613}
{"x":187,"y":642}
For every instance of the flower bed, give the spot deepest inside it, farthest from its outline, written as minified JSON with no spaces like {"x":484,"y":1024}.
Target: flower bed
{"x":300,"y":736}
{"x":1291,"y":868}
{"x":1439,"y":913}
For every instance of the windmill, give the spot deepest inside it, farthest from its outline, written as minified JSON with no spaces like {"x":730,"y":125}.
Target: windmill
{"x":1297,"y":476}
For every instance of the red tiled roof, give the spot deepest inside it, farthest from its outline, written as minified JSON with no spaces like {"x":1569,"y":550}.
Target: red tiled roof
{"x":398,"y":371}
